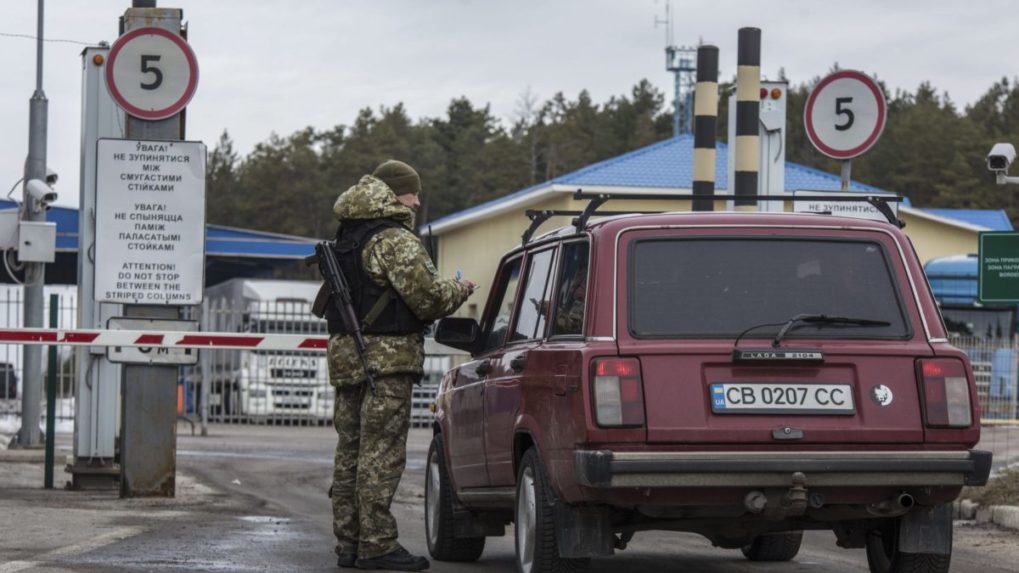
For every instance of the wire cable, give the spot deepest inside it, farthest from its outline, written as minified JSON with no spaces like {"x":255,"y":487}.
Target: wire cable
{"x":7,"y":265}
{"x":55,"y":40}
{"x":15,"y":186}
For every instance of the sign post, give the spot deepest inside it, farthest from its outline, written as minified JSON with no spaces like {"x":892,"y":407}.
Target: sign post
{"x":844,"y":117}
{"x":151,"y":74}
{"x":998,"y":279}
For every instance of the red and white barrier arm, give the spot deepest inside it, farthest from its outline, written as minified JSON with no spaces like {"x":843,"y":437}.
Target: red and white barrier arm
{"x":224,"y":340}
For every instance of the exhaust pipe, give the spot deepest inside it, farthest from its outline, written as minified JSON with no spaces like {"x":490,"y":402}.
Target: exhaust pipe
{"x":897,"y":505}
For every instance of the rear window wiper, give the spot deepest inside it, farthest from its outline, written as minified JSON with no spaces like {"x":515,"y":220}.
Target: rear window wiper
{"x":825,"y":319}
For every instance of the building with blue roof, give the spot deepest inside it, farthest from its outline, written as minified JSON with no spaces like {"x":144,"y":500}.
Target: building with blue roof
{"x":473,"y":240}
{"x":230,"y":252}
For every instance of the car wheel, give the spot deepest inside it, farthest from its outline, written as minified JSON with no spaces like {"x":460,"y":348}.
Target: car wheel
{"x":774,"y":546}
{"x":534,"y":524}
{"x":443,"y":544}
{"x":884,"y":556}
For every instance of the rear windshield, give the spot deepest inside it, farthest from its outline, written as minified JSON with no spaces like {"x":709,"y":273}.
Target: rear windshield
{"x":721,"y":287}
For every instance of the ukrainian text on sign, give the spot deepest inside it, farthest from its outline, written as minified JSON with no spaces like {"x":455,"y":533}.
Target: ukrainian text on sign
{"x":150,"y":222}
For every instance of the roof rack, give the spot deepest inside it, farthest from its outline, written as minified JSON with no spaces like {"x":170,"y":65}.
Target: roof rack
{"x":539,"y":216}
{"x":596,"y":200}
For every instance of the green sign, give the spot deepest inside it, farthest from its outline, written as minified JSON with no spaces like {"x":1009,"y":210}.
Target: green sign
{"x":999,"y":267}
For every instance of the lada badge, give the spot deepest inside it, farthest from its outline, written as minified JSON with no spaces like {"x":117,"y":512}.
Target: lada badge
{"x":777,"y":355}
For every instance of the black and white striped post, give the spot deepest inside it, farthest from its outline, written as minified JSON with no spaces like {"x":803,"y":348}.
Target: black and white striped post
{"x":705,"y":112}
{"x":748,"y":111}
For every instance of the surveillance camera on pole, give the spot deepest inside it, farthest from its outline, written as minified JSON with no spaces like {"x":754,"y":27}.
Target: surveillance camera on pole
{"x":43,"y":194}
{"x":999,"y":160}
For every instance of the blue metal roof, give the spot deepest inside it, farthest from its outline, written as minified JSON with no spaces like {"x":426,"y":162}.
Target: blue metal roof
{"x":993,"y":219}
{"x":219,"y":241}
{"x":668,"y":164}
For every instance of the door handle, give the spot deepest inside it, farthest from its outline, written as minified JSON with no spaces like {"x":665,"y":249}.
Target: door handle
{"x":518,"y":363}
{"x":483,"y":369}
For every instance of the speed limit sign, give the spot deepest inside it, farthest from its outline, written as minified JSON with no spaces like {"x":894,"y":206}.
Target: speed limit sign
{"x":845,"y":114}
{"x":151,"y":73}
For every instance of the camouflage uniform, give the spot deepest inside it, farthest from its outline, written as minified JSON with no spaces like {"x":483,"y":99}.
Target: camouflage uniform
{"x":372,"y":446}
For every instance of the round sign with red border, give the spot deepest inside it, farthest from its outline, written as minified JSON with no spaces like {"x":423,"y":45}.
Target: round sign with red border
{"x":845,"y":114}
{"x":151,"y":73}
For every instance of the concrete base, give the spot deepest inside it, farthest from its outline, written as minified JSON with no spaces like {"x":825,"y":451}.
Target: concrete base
{"x":105,"y":476}
{"x":1006,"y":516}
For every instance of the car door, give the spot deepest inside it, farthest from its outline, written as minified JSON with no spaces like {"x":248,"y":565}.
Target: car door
{"x":466,"y":413}
{"x":503,"y":385}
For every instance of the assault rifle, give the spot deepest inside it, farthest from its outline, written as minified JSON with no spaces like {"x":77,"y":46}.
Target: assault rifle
{"x":339,"y":291}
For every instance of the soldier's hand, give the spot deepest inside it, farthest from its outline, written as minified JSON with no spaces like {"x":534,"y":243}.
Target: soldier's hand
{"x":469,"y":285}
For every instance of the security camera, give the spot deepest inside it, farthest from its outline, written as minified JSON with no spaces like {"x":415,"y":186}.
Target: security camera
{"x":51,"y":176}
{"x":1001,"y":157}
{"x":41,"y":192}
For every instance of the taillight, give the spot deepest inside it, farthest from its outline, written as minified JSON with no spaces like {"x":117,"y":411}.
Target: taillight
{"x":945,"y":393}
{"x":618,"y":392}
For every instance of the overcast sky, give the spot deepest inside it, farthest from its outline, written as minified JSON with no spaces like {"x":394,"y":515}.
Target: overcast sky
{"x":277,"y":66}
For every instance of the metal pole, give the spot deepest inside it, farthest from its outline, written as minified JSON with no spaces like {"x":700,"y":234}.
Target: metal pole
{"x":847,"y":168}
{"x":1013,"y":412}
{"x":35,"y":168}
{"x":51,"y":396}
{"x":748,"y":114}
{"x":705,"y":120}
{"x":148,"y":449}
{"x":203,"y":360}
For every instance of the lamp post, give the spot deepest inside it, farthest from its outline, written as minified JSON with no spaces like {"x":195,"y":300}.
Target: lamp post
{"x":35,"y":169}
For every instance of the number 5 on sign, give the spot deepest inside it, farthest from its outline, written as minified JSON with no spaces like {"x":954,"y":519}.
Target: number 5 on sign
{"x":845,"y":114}
{"x":151,"y":73}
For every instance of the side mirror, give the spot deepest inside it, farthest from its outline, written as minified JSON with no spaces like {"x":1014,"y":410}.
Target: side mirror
{"x":460,"y":333}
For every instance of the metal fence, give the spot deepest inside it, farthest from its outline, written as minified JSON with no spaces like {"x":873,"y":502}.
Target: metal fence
{"x":11,"y":384}
{"x":225,"y":386}
{"x":251,"y":386}
{"x":997,"y":376}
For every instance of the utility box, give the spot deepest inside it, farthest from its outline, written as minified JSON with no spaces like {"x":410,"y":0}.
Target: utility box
{"x":9,"y":229}
{"x":37,"y":242}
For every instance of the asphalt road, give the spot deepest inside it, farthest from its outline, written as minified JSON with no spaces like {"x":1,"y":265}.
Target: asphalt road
{"x":254,"y":499}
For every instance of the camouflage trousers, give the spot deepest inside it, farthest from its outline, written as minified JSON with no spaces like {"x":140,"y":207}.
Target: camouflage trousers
{"x":370,"y":457}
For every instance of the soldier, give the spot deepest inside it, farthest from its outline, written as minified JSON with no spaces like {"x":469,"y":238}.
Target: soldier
{"x":396,"y":292}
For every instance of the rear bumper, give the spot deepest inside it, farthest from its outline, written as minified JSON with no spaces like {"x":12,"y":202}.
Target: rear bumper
{"x":607,"y":469}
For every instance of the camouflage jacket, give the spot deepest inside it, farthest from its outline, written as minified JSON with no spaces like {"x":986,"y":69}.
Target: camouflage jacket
{"x":393,"y":257}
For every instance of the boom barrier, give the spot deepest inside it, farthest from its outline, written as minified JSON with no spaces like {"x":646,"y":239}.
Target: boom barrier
{"x":164,"y":339}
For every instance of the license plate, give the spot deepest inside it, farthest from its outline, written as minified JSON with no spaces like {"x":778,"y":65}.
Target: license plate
{"x":780,"y":398}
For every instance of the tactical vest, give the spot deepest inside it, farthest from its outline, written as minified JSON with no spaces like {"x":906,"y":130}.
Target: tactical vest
{"x":380,"y":310}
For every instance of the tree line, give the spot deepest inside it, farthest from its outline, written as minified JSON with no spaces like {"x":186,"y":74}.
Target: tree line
{"x":931,"y":151}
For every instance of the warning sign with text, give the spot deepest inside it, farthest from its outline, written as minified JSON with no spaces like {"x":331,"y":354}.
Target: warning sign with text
{"x":150,"y":222}
{"x":998,"y":277}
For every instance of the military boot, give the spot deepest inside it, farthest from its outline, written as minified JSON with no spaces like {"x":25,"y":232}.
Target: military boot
{"x":346,"y":559}
{"x":399,"y":560}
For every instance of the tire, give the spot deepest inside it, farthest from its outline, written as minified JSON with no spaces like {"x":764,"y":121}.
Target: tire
{"x":883,"y":555}
{"x":774,"y":546}
{"x":534,"y":524}
{"x":440,"y":527}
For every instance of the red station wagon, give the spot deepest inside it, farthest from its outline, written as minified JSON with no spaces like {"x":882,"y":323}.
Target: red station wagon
{"x":744,"y":376}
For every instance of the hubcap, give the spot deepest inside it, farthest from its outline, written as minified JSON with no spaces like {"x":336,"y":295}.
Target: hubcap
{"x":525,"y":520}
{"x":432,"y":500}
